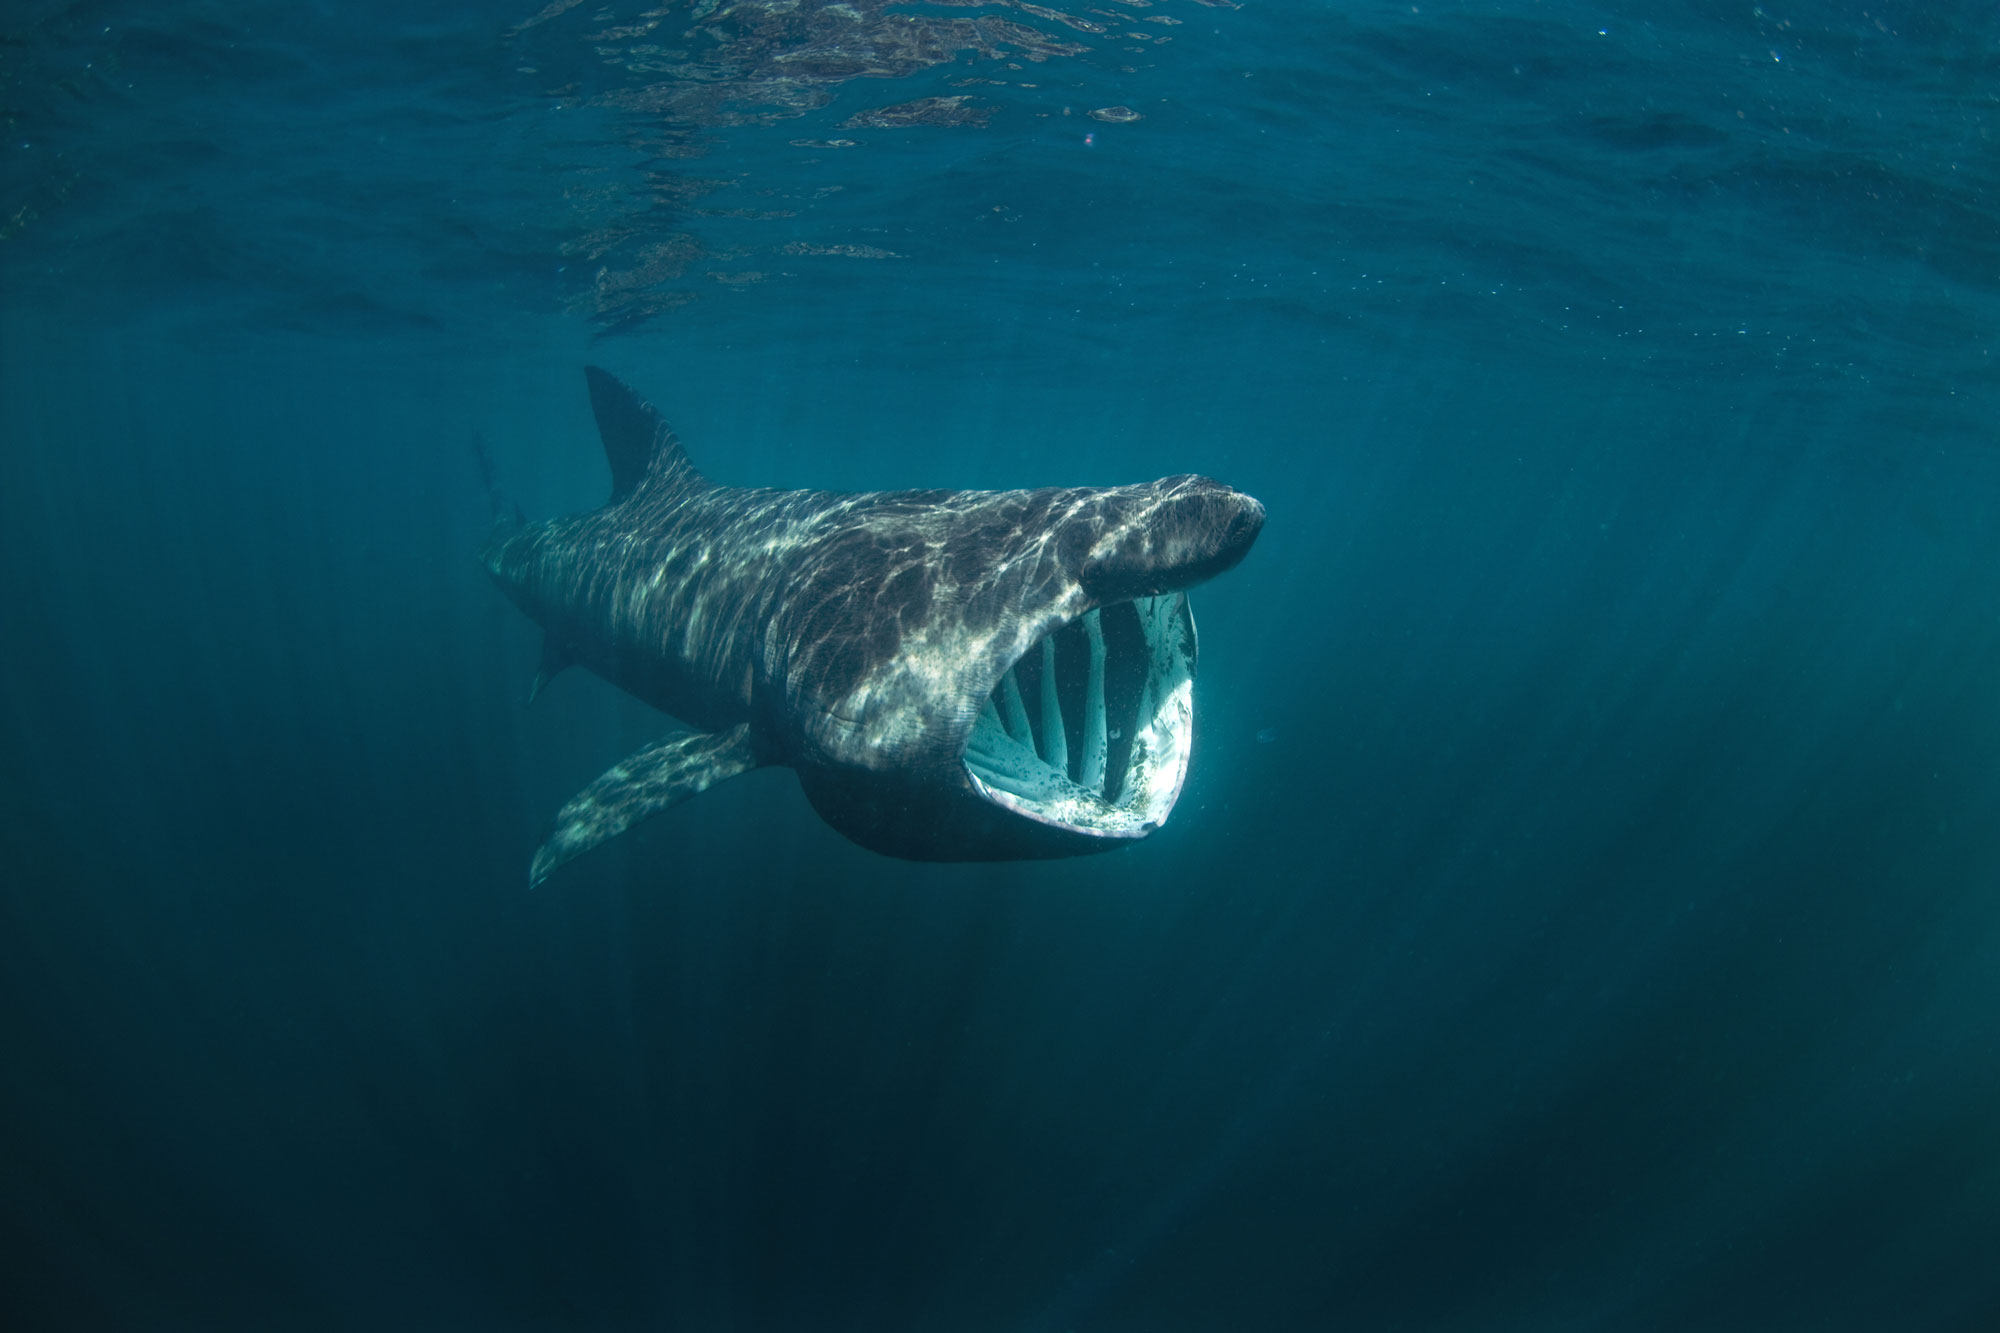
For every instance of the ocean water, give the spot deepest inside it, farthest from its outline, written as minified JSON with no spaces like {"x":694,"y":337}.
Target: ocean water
{"x":1584,"y":906}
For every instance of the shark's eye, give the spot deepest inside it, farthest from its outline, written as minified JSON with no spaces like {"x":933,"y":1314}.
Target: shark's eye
{"x":1091,"y":729}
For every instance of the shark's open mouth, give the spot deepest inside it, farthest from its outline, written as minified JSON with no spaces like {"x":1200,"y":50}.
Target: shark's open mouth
{"x":1091,"y":729}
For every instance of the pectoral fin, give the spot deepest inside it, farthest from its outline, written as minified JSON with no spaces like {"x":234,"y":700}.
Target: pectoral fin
{"x":663,"y":774}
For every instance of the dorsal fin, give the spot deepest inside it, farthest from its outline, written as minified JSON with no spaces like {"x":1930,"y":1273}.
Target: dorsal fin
{"x":638,"y":444}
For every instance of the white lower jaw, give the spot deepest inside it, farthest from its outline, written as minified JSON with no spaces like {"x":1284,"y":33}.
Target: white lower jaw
{"x":1050,"y":786}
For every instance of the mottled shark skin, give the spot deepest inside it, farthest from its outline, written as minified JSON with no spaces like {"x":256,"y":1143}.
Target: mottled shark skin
{"x":883,"y":645}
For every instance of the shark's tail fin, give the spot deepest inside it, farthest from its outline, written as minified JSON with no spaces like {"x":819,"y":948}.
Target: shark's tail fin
{"x":506,"y":517}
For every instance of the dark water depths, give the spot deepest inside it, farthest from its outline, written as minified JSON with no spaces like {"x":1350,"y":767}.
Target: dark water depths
{"x":1584,"y":906}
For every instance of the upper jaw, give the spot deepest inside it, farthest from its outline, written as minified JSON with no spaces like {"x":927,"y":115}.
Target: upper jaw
{"x":1165,"y":536}
{"x":1091,"y":730}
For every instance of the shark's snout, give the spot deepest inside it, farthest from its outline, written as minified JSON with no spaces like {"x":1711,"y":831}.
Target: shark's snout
{"x":1174,"y":534}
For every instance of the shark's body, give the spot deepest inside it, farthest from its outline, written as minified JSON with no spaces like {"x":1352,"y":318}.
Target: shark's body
{"x":955,"y":675}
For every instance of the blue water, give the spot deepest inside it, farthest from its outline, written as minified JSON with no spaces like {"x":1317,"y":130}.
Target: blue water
{"x":1583,"y":908}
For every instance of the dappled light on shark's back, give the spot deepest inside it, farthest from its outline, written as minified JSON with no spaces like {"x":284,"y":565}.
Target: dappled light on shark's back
{"x":883,"y":645}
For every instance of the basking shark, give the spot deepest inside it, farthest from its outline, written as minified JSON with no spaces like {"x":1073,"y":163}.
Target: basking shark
{"x":954,"y":675}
